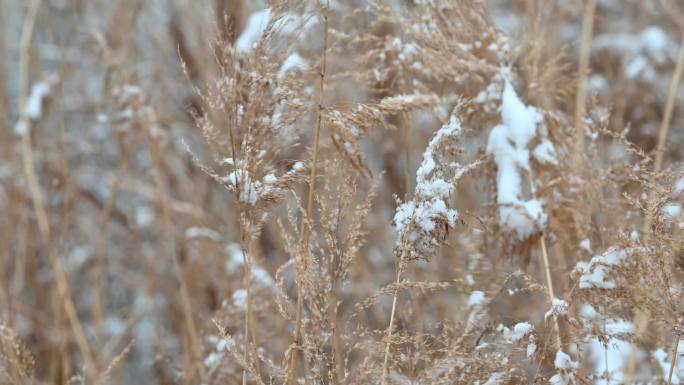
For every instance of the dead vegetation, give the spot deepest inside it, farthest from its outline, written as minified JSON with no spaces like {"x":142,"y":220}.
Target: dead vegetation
{"x":341,"y":192}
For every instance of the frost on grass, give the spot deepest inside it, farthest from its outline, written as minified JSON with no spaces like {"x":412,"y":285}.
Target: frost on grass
{"x":565,"y":368}
{"x":558,"y":307}
{"x":249,"y":190}
{"x":252,"y":190}
{"x":509,"y":145}
{"x":595,"y":273}
{"x":519,"y":331}
{"x":421,"y":224}
{"x":608,"y":345}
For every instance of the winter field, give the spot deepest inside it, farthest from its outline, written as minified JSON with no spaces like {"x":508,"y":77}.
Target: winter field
{"x":476,"y":192}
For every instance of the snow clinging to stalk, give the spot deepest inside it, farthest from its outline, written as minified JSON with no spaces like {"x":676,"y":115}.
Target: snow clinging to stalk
{"x":508,"y":143}
{"x":421,"y":224}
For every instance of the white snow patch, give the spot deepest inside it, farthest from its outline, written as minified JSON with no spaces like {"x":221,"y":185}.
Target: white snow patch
{"x":256,"y":25}
{"x":416,"y":220}
{"x":248,"y":189}
{"x":144,"y":216}
{"x":545,"y":153}
{"x":642,"y":52}
{"x":213,"y":359}
{"x":656,"y":43}
{"x":284,"y":24}
{"x":202,"y":232}
{"x":566,"y":370}
{"x":585,"y":245}
{"x":679,"y":186}
{"x":34,"y":104}
{"x":594,"y":273}
{"x":294,"y":61}
{"x":531,"y":347}
{"x":672,"y":210}
{"x":476,"y":299}
{"x":564,"y":362}
{"x":20,"y":128}
{"x":270,"y":179}
{"x":520,"y":330}
{"x":508,"y":144}
{"x":240,"y":299}
{"x":78,"y":256}
{"x":616,"y":352}
{"x":558,"y":307}
{"x":496,"y":379}
{"x":235,"y":262}
{"x":664,"y":360}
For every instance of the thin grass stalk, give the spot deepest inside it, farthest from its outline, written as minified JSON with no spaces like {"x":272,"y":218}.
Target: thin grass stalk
{"x":657,"y":166}
{"x":390,"y":327}
{"x":63,"y":290}
{"x":306,"y":222}
{"x":246,"y":273}
{"x":583,"y":70}
{"x":195,"y":343}
{"x":101,"y":246}
{"x":186,"y":303}
{"x":247,"y":270}
{"x":675,"y":349}
{"x":407,"y":155}
{"x":606,"y":372}
{"x":332,"y":318}
{"x":641,"y":322}
{"x":547,"y":275}
{"x":395,"y":294}
{"x":549,"y":288}
{"x":662,"y":137}
{"x":250,"y":323}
